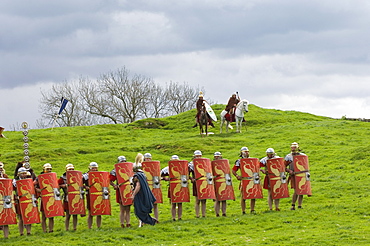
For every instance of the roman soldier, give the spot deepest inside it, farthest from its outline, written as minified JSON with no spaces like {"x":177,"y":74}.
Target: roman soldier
{"x":123,"y":207}
{"x":270,"y":154}
{"x":93,"y":167}
{"x":63,"y":185}
{"x":231,"y":104}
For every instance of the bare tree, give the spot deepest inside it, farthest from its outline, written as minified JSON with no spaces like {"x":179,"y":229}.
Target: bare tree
{"x":72,"y":115}
{"x":156,"y":103}
{"x":182,"y":97}
{"x":126,"y":95}
{"x":95,"y":102}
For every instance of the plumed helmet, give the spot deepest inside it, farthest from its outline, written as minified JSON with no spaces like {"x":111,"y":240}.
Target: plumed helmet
{"x":197,"y":152}
{"x":22,"y":170}
{"x":121,"y":158}
{"x":175,"y":157}
{"x":270,"y":151}
{"x":217,"y":153}
{"x":147,"y":155}
{"x":294,"y":144}
{"x":93,"y":164}
{"x":200,"y":94}
{"x":47,"y":165}
{"x":69,"y":166}
{"x":244,"y":149}
{"x":138,"y":160}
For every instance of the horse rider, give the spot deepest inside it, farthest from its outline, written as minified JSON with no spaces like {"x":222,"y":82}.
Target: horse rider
{"x":199,"y":106}
{"x":231,"y":104}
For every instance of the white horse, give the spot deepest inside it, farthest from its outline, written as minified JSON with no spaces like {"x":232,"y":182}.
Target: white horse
{"x":241,"y":107}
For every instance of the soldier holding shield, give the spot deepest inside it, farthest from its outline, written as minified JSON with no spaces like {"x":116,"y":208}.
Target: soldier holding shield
{"x":47,"y":168}
{"x":290,"y":163}
{"x":165,"y":174}
{"x":93,"y":166}
{"x":124,"y":206}
{"x":270,"y":154}
{"x":244,"y":153}
{"x":63,"y":185}
{"x":22,"y":174}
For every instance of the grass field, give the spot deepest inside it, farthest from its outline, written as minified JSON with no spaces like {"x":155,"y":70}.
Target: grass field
{"x":336,"y":214}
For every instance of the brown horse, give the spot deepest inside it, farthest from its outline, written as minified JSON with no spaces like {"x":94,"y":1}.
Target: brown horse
{"x":203,"y":121}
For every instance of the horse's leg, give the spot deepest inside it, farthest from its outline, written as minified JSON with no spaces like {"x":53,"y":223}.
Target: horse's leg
{"x":206,"y":126}
{"x":227,"y":125}
{"x":221,"y":124}
{"x":237,"y":124}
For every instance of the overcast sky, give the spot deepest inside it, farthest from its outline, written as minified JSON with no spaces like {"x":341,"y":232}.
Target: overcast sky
{"x":310,"y":56}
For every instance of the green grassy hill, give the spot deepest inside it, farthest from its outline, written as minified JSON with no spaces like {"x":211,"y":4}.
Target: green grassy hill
{"x":336,"y":214}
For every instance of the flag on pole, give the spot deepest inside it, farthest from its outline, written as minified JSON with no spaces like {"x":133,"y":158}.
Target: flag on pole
{"x":63,"y":106}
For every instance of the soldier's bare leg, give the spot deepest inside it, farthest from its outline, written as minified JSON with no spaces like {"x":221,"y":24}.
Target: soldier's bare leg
{"x":173,"y":211}
{"x":217,"y":208}
{"x":20,"y":225}
{"x":179,"y":211}
{"x":203,"y":202}
{"x":126,"y":212}
{"x":269,"y":199}
{"x":74,"y":222}
{"x":253,"y":205}
{"x":89,"y":220}
{"x":242,"y":204}
{"x":197,"y":203}
{"x":155,"y":209}
{"x":121,"y":215}
{"x":98,"y":221}
{"x":277,"y":202}
{"x":294,"y":200}
{"x":6,"y":231}
{"x":223,"y":208}
{"x":28,"y":229}
{"x":66,"y":222}
{"x":300,"y":200}
{"x":51,"y":224}
{"x":43,"y":221}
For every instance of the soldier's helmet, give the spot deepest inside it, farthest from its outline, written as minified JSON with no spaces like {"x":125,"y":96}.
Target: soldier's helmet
{"x":200,"y":94}
{"x":147,"y":155}
{"x":175,"y":157}
{"x":70,"y":167}
{"x":197,"y":152}
{"x":47,"y":166}
{"x":93,"y":164}
{"x":270,"y":151}
{"x":244,"y":149}
{"x":121,"y":159}
{"x":217,"y":153}
{"x":22,"y":170}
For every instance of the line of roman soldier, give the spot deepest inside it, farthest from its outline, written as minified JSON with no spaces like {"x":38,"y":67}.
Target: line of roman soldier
{"x":211,"y":179}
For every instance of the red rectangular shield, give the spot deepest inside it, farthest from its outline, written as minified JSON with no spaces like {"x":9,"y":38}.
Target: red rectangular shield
{"x":50,"y":195}
{"x":124,"y":179}
{"x":302,"y":175}
{"x":223,"y":185}
{"x":250,"y":185}
{"x":152,"y":170}
{"x":99,"y":193}
{"x":7,"y":206}
{"x":179,"y":185}
{"x":204,"y":178}
{"x":278,"y":180}
{"x":76,"y":199}
{"x":28,"y":201}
